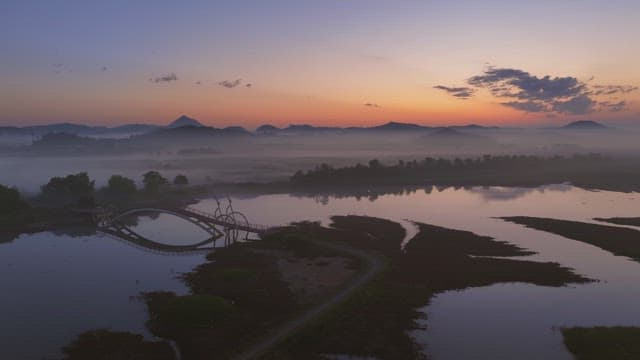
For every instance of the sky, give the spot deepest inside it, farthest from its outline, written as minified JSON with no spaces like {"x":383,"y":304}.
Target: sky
{"x":322,"y":62}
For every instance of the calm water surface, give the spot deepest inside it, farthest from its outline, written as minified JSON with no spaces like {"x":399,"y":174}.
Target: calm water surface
{"x":54,"y":287}
{"x":57,"y":286}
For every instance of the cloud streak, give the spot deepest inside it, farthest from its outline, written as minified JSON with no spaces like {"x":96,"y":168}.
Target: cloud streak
{"x":613,"y":106}
{"x":613,"y":89}
{"x":520,"y":90}
{"x":371,"y":105}
{"x":459,"y":92}
{"x":165,"y":78}
{"x":230,"y":84}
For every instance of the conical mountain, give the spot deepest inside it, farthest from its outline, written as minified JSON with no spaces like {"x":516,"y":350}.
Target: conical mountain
{"x":184,"y":120}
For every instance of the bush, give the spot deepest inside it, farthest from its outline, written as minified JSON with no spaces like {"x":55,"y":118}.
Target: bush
{"x":180,"y":180}
{"x":153,"y":181}
{"x":175,"y":316}
{"x":121,"y":187}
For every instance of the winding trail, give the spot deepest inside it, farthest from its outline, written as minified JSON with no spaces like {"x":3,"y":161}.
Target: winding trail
{"x":373,"y":267}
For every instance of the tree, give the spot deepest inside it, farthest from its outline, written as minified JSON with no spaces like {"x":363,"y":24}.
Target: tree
{"x":180,"y":180}
{"x":10,"y":201}
{"x":121,"y":187}
{"x":375,"y":164}
{"x":153,"y":181}
{"x":69,"y":190}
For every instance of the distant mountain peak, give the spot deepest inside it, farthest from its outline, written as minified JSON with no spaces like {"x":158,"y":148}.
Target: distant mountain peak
{"x":585,"y":125}
{"x":184,"y":120}
{"x":393,"y":125}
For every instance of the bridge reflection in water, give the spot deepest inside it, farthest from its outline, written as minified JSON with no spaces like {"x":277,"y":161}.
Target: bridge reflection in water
{"x":229,"y":226}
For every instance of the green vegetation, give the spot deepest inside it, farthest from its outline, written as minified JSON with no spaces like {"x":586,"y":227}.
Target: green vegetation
{"x":110,"y":345}
{"x":76,"y":190}
{"x":618,"y":240}
{"x":597,"y":343}
{"x":590,"y":171}
{"x":120,"y":188}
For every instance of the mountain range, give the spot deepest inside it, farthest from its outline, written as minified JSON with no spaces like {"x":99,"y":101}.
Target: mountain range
{"x":188,"y":125}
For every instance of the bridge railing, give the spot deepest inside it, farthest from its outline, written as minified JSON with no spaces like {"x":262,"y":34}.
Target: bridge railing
{"x":259,"y":227}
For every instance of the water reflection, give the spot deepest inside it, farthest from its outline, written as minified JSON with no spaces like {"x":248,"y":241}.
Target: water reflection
{"x":499,"y":193}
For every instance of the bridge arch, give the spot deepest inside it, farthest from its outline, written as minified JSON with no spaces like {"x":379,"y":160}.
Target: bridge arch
{"x":209,"y":228}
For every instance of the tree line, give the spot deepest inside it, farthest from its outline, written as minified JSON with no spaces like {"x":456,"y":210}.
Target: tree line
{"x":453,"y":170}
{"x":79,"y":190}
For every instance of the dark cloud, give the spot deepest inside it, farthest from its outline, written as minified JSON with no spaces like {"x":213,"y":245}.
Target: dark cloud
{"x":104,"y":68}
{"x":249,"y":85}
{"x":373,"y":105}
{"x":578,"y":105}
{"x":523,"y":91}
{"x":198,"y":82}
{"x":165,"y":78}
{"x":459,"y":92}
{"x":526,"y":106}
{"x":229,"y":84}
{"x":524,"y":86}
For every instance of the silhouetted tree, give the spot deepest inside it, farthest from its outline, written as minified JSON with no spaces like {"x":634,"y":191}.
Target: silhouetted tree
{"x":180,"y":180}
{"x":121,"y":187}
{"x":10,"y":201}
{"x":69,"y":190}
{"x":153,"y":181}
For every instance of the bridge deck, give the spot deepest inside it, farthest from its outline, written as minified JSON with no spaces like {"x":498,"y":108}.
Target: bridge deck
{"x":204,"y":216}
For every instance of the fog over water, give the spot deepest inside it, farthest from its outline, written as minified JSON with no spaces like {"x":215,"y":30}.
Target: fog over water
{"x":269,"y":157}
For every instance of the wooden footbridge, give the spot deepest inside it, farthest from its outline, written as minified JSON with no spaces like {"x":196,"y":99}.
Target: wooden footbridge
{"x":228,"y":224}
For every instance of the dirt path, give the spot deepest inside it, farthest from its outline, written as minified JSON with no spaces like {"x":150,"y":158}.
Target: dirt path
{"x":374,"y":265}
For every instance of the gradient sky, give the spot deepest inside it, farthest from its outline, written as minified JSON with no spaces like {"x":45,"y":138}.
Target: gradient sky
{"x":322,"y":62}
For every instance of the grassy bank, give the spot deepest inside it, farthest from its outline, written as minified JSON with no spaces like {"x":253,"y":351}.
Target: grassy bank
{"x":598,"y":343}
{"x":632,"y":221}
{"x":619,"y":241}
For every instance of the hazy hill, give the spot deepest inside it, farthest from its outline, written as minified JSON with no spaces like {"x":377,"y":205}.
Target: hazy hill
{"x":77,"y":129}
{"x":267,"y":129}
{"x":585,"y":125}
{"x":397,"y":126}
